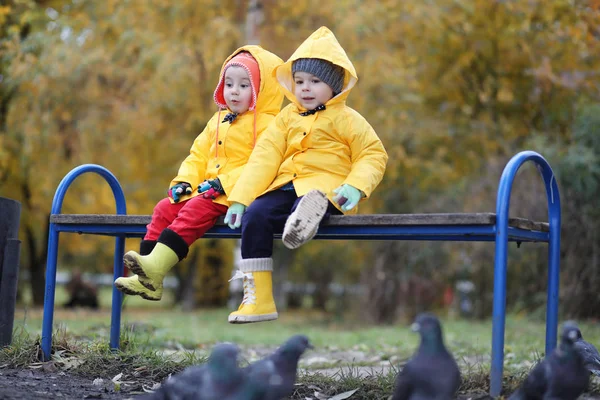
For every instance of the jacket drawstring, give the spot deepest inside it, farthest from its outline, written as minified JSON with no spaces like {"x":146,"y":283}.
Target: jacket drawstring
{"x":217,"y":135}
{"x":254,"y":128}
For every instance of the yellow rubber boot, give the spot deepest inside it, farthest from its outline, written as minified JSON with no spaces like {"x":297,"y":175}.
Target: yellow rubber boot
{"x":151,"y":269}
{"x":132,"y":286}
{"x":258,"y":304}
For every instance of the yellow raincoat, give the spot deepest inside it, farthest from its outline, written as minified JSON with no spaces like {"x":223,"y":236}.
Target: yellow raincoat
{"x":320,"y":151}
{"x":226,"y":155}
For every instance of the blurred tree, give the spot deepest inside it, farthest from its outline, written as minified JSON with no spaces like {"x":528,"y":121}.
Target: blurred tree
{"x":108,"y":83}
{"x":21,"y":24}
{"x":579,"y":178}
{"x":452,"y":88}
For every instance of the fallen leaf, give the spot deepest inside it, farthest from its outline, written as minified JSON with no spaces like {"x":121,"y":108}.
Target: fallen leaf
{"x":72,"y":362}
{"x":151,"y":390}
{"x":344,"y":395}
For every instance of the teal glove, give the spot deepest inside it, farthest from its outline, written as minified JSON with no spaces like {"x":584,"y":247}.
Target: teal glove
{"x":347,"y":196}
{"x":203,"y":187}
{"x":178,"y":190}
{"x":233,"y":218}
{"x":211,"y":189}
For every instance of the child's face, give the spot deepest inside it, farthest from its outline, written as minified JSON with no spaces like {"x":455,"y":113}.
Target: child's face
{"x":237,"y":90}
{"x":310,"y":91}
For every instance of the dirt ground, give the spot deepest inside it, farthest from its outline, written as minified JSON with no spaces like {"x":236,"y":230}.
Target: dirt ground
{"x":33,"y":384}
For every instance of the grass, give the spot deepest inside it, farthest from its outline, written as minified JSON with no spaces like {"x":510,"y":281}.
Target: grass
{"x":158,"y":340}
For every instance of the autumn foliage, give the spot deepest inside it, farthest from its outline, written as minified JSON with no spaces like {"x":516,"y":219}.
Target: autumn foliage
{"x":453,"y":88}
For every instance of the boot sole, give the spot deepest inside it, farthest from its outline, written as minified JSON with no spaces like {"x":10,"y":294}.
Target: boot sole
{"x":127,"y":291}
{"x":248,"y":319}
{"x":133,"y":264}
{"x":303,"y":223}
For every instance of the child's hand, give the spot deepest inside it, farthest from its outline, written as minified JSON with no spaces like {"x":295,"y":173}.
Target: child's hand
{"x":234,"y":215}
{"x":347,"y":196}
{"x":203,"y":187}
{"x":178,"y":190}
{"x":211,"y":189}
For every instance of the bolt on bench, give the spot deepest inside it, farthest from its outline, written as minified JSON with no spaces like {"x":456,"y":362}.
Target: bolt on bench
{"x":482,"y":227}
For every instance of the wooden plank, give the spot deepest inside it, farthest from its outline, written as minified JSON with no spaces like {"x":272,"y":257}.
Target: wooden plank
{"x":100,"y":219}
{"x":460,"y":219}
{"x":528,"y":225}
{"x":412,"y":219}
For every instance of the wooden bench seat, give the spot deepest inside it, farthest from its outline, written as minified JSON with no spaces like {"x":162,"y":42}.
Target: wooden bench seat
{"x":454,"y":227}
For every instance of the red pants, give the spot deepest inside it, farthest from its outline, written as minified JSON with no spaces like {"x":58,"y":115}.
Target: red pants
{"x":190,"y":219}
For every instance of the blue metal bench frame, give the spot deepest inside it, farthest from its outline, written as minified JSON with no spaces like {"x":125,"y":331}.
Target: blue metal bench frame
{"x":500,"y":232}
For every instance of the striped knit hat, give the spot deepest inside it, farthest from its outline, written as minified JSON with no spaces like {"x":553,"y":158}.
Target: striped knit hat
{"x":331,"y":74}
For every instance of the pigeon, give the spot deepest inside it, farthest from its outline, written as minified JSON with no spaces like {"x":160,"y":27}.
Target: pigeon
{"x":590,"y":355}
{"x":280,"y":367}
{"x":561,"y":375}
{"x":432,"y":372}
{"x":256,"y":385}
{"x":219,"y":379}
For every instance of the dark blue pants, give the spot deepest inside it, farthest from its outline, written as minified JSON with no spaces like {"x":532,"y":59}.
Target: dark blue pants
{"x":265,"y":217}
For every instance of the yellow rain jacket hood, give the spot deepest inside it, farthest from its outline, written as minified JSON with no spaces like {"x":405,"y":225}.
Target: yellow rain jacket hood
{"x":319,"y":151}
{"x":222,"y":149}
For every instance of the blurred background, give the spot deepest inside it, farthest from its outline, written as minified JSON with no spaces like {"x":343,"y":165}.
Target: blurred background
{"x":454,"y":88}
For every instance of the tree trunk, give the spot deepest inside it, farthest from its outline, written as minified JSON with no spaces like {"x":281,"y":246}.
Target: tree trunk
{"x":186,"y":275}
{"x":37,"y":263}
{"x":254,"y":18}
{"x":37,"y":257}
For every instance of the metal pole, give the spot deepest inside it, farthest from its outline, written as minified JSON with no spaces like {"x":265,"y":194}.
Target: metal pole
{"x":57,"y":202}
{"x":500,"y":261}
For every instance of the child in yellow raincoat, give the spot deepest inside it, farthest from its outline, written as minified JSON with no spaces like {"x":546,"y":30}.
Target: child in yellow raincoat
{"x":248,"y":98}
{"x":319,"y":157}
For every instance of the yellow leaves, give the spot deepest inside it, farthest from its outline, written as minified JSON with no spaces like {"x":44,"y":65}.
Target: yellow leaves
{"x":505,"y":95}
{"x":4,"y":12}
{"x":436,"y":78}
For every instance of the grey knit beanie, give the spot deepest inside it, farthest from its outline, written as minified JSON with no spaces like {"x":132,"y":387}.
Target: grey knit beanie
{"x":331,"y":74}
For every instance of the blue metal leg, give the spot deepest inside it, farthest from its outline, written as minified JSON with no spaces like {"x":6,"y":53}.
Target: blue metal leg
{"x":49,"y":292}
{"x":117,"y":296}
{"x":499,"y":305}
{"x":553,"y":262}
{"x":553,"y":283}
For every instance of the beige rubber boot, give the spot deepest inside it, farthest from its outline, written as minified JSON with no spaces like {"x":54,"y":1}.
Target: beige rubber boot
{"x":258,"y":304}
{"x":151,"y":269}
{"x":132,"y":286}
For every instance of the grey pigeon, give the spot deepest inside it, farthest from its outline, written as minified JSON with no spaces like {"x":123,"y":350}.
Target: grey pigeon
{"x":281,"y":367}
{"x":219,"y":379}
{"x":256,"y":384}
{"x":432,"y":372}
{"x":590,"y":355}
{"x":560,"y":376}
